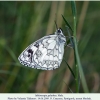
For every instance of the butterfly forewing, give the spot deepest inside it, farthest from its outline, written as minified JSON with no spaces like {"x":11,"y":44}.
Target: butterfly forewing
{"x":46,"y":53}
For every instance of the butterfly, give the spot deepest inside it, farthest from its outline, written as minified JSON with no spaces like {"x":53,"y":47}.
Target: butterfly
{"x":45,"y":53}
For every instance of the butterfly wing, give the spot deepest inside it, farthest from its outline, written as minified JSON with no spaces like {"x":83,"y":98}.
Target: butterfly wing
{"x":46,"y":53}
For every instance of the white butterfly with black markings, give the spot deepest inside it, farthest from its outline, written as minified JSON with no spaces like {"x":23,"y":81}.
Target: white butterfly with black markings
{"x":45,"y":53}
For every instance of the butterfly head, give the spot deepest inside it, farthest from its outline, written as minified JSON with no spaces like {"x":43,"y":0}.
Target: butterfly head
{"x":59,"y":33}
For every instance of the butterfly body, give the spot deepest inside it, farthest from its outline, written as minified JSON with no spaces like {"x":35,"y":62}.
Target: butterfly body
{"x":45,"y":53}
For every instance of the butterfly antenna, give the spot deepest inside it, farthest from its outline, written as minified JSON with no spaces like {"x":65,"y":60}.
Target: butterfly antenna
{"x":56,"y":24}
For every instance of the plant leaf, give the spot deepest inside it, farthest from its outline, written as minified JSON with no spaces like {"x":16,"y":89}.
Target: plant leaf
{"x":69,"y":68}
{"x":70,"y":38}
{"x":68,"y":87}
{"x":73,"y":6}
{"x":67,"y":23}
